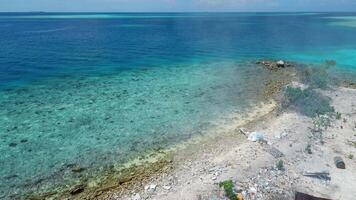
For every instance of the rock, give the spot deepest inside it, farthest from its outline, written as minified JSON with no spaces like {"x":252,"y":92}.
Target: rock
{"x":12,"y":144}
{"x":339,"y":162}
{"x":77,"y":169}
{"x":24,"y":141}
{"x":77,"y":189}
{"x":280,"y":63}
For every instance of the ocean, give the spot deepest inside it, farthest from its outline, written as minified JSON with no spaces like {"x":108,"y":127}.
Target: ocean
{"x":100,"y":89}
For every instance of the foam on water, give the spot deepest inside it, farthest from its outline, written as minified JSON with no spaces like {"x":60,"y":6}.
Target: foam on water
{"x":348,"y":21}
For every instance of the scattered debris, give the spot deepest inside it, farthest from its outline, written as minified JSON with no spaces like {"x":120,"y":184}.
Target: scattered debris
{"x":150,"y":188}
{"x":320,"y":175}
{"x":339,"y":162}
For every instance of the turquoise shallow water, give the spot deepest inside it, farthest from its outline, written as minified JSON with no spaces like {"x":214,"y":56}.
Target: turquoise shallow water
{"x":97,"y":90}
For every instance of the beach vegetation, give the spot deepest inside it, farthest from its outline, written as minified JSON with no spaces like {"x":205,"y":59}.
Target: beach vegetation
{"x":228,"y":187}
{"x":350,"y":156}
{"x":308,"y":149}
{"x":308,"y":102}
{"x":280,"y":165}
{"x":338,"y":115}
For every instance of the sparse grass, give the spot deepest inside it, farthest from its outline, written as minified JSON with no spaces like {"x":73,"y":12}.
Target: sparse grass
{"x":228,"y":186}
{"x":280,"y":165}
{"x":308,"y":102}
{"x":308,"y":149}
{"x":350,"y":156}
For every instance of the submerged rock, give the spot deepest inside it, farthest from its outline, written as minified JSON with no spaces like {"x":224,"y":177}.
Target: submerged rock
{"x":77,"y":169}
{"x":12,"y":144}
{"x":273,"y":65}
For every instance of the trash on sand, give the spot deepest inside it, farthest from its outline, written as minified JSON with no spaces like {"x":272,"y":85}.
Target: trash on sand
{"x":239,"y":196}
{"x":319,"y":175}
{"x":303,"y":196}
{"x":339,"y":162}
{"x":255,"y":136}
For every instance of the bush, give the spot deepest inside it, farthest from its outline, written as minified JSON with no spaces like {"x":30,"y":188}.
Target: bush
{"x":280,"y":165}
{"x":229,"y":189}
{"x":308,"y":149}
{"x":307,"y":102}
{"x":338,"y":116}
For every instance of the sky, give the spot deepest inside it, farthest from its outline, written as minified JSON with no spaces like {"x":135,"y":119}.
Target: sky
{"x":174,"y":5}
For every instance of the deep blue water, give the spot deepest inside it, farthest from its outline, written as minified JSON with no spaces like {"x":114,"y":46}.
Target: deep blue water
{"x":98,"y":90}
{"x":43,"y":44}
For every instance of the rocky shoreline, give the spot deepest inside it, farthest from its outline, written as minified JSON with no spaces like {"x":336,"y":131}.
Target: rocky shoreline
{"x":166,"y":177}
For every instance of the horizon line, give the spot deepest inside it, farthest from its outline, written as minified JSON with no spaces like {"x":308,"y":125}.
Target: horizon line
{"x":177,"y":11}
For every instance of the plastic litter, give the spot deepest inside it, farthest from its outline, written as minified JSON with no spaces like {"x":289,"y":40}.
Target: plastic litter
{"x":255,"y":136}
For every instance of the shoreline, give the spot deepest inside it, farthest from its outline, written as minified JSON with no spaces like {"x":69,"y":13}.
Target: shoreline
{"x":196,"y":173}
{"x":139,"y":170}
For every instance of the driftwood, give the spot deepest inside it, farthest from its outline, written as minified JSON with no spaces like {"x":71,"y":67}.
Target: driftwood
{"x":319,"y":175}
{"x":303,"y":196}
{"x":243,"y":132}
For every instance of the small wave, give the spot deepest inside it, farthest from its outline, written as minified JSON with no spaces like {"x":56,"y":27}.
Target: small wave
{"x":49,"y":30}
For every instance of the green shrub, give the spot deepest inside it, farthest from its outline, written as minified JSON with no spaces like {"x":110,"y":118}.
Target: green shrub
{"x":228,"y":186}
{"x":307,"y":102}
{"x":280,"y":165}
{"x":308,"y":149}
{"x":338,"y":115}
